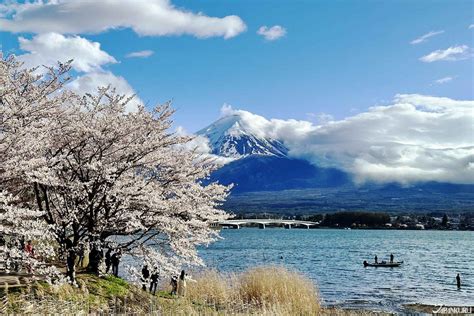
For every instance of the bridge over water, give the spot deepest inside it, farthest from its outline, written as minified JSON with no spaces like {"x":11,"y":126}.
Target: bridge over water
{"x":264,"y":223}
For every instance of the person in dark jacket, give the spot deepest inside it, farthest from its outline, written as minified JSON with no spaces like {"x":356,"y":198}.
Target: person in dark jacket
{"x":115,"y":261}
{"x":108,"y":260}
{"x":391,"y":258}
{"x":145,"y":276}
{"x":154,"y":281}
{"x":95,"y":258}
{"x":80,"y":254}
{"x":376,"y":259}
{"x":458,"y":281}
{"x":174,"y":285}
{"x":71,"y":254}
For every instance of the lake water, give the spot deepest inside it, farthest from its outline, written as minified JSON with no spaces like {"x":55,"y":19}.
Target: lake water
{"x":333,"y":260}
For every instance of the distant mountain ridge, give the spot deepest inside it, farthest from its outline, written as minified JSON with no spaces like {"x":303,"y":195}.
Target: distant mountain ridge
{"x":272,"y":173}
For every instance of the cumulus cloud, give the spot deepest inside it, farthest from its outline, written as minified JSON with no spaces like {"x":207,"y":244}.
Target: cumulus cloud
{"x":145,"y":17}
{"x":47,"y":49}
{"x":200,"y":145}
{"x":416,"y":138}
{"x":273,"y":33}
{"x":88,"y":83}
{"x":89,"y":61}
{"x":444,"y":80}
{"x":140,"y":54}
{"x":425,"y":37}
{"x":452,"y":53}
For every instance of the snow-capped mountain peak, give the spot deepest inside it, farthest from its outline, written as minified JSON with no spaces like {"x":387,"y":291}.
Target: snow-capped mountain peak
{"x":229,"y":137}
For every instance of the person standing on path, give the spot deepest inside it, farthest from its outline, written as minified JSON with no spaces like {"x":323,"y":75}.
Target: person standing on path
{"x":115,"y":260}
{"x":80,"y":254}
{"x":174,"y":285}
{"x":154,"y":281}
{"x":108,"y":260}
{"x":145,"y":276}
{"x":182,"y":284}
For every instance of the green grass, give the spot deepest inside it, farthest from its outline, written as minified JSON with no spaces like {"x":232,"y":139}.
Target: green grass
{"x":113,"y":286}
{"x":165,"y":294}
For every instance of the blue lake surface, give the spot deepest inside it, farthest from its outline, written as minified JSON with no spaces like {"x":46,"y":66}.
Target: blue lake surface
{"x":333,"y":258}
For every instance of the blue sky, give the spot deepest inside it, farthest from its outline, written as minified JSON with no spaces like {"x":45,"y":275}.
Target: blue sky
{"x":337,"y":57}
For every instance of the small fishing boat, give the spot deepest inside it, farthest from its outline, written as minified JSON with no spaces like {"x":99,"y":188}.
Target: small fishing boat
{"x":383,"y":264}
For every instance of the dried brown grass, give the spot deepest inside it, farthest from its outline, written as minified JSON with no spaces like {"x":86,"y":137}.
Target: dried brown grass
{"x":262,"y":290}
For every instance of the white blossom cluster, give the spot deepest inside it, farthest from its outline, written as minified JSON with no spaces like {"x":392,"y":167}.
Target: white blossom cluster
{"x":83,"y":169}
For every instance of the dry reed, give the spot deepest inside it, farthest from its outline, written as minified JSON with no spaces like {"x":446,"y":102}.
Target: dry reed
{"x":262,"y":290}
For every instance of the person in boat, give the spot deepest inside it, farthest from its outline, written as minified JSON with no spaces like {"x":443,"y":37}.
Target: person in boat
{"x":458,"y":281}
{"x":376,"y":259}
{"x":366,"y":263}
{"x":391,"y":258}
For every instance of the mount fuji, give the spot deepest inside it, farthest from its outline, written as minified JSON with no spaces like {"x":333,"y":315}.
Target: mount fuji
{"x":228,"y":137}
{"x":267,"y":179}
{"x":260,"y":163}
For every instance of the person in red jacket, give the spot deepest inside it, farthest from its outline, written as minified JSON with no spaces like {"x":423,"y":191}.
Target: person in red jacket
{"x":29,"y":248}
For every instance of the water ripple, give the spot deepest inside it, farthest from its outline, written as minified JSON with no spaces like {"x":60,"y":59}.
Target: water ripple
{"x":333,"y":259}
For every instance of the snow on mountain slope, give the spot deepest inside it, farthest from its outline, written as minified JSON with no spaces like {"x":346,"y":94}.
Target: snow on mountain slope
{"x":228,"y":137}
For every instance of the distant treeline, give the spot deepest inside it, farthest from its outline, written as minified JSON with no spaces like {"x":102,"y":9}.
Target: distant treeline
{"x":346,"y":219}
{"x":338,"y":219}
{"x":366,"y":219}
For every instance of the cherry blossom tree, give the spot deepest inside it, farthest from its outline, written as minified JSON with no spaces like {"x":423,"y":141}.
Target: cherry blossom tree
{"x":89,"y":171}
{"x":26,"y":101}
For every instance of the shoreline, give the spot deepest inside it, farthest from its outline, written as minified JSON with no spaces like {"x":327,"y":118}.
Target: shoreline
{"x":206,"y":296}
{"x":110,"y":294}
{"x":355,"y":228}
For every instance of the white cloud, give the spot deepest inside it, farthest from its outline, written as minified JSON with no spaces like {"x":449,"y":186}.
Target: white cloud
{"x":47,"y":49}
{"x":140,"y":54}
{"x":200,"y":145}
{"x":145,"y":17}
{"x":89,"y":61}
{"x":471,"y":26}
{"x":273,"y":33}
{"x":425,"y":37}
{"x":89,"y":83}
{"x":416,"y":138}
{"x":452,"y":53}
{"x":444,"y":80}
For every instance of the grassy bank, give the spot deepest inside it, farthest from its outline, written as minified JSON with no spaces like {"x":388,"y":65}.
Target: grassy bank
{"x":259,"y":291}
